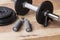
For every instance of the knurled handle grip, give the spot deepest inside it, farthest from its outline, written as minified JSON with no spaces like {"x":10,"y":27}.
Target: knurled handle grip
{"x":17,"y":25}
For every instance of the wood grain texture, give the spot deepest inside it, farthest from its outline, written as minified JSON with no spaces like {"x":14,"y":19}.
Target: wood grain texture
{"x":52,"y":32}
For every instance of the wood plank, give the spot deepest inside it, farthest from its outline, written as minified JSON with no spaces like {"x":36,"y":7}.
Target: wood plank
{"x":5,"y":1}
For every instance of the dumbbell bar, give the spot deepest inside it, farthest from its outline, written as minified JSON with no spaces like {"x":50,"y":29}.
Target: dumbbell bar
{"x":34,"y":8}
{"x":44,"y":13}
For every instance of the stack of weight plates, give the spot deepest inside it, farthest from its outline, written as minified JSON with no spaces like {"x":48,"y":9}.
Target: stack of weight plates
{"x":7,"y":16}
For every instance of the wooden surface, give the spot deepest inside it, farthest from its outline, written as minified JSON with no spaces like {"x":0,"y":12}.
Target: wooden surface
{"x":52,"y":32}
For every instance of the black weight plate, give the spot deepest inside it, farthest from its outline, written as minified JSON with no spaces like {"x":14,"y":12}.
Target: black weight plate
{"x":4,"y":12}
{"x":9,"y":18}
{"x":19,"y":7}
{"x":46,"y":5}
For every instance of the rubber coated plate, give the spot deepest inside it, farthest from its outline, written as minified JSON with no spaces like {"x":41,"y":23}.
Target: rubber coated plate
{"x":9,"y":16}
{"x":46,"y":5}
{"x":4,"y":12}
{"x":19,"y":7}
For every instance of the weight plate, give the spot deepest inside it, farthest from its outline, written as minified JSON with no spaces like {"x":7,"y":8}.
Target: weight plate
{"x":4,"y":12}
{"x":46,"y":5}
{"x":19,"y":7}
{"x":9,"y":16}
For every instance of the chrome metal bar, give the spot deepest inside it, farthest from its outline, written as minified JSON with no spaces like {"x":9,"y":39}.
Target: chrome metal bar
{"x":29,"y":6}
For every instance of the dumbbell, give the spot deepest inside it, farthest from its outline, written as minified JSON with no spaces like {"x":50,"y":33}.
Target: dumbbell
{"x":44,"y":12}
